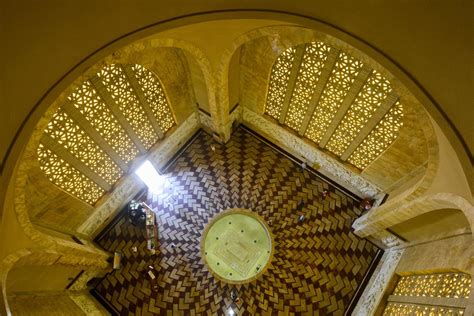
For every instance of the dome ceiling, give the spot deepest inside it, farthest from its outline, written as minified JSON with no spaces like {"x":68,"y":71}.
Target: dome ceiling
{"x":336,"y":101}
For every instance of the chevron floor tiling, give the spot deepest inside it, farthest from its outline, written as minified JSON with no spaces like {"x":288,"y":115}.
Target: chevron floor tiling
{"x":317,"y":265}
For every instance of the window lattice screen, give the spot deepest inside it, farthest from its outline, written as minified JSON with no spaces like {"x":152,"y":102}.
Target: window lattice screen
{"x":430,"y":294}
{"x":66,"y":177}
{"x":314,"y":57}
{"x":114,"y":78}
{"x":279,"y":82}
{"x":94,"y":109}
{"x":402,"y":309}
{"x":374,"y":91}
{"x":342,"y":77}
{"x":384,"y":133}
{"x":456,"y":285}
{"x":348,"y":103}
{"x":91,"y":139}
{"x":155,"y":96}
{"x":67,"y":133}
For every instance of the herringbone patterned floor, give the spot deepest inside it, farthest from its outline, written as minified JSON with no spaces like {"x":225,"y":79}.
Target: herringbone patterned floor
{"x":317,"y":265}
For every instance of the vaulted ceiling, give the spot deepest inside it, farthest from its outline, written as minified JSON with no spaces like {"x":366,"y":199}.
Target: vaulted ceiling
{"x":386,"y":57}
{"x":101,"y":127}
{"x":336,"y":101}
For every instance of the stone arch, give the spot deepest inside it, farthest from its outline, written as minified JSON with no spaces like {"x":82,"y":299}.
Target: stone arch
{"x":5,"y":266}
{"x":383,"y":59}
{"x":312,"y":25}
{"x":140,"y":53}
{"x":36,"y":257}
{"x":285,"y":36}
{"x":387,"y":217}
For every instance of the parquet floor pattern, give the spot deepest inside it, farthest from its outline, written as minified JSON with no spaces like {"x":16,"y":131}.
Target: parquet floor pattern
{"x":317,"y":263}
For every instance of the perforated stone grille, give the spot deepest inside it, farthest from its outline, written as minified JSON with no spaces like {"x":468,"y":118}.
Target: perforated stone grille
{"x":456,"y":285}
{"x":445,"y":292}
{"x":69,"y":134}
{"x":89,"y":103}
{"x":402,"y":309}
{"x":314,"y":57}
{"x":122,"y":92}
{"x":352,"y":113}
{"x":342,"y":77}
{"x":101,"y":127}
{"x":66,"y":177}
{"x":374,"y":91}
{"x":278,"y":82}
{"x":379,"y":138}
{"x":155,"y":96}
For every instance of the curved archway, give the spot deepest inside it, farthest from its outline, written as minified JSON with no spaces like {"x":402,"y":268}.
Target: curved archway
{"x":36,"y":258}
{"x":261,"y":47}
{"x":141,"y":53}
{"x":387,"y":217}
{"x":88,"y":61}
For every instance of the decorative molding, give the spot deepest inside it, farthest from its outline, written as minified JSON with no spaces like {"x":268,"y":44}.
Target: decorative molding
{"x":87,"y":304}
{"x":388,"y":239}
{"x":374,"y":291}
{"x":328,"y":166}
{"x":128,"y":187}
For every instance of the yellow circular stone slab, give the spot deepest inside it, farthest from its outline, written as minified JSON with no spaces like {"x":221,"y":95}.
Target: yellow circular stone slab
{"x":237,"y":246}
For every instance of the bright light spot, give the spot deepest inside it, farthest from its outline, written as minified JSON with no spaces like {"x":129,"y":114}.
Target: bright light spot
{"x":153,"y":180}
{"x":231,"y":311}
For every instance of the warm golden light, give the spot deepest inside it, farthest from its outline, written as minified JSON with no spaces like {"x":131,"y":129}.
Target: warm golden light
{"x":333,"y":112}
{"x":102,"y":131}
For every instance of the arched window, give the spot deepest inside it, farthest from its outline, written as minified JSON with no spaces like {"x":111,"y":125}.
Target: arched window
{"x":336,"y":101}
{"x":101,"y":127}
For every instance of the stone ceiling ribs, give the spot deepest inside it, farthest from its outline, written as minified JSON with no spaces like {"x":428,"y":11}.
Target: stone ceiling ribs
{"x":323,"y":78}
{"x":114,"y":107}
{"x":77,"y":116}
{"x":62,"y":152}
{"x":300,"y":50}
{"x":349,"y":99}
{"x":127,"y":69}
{"x":389,"y":101}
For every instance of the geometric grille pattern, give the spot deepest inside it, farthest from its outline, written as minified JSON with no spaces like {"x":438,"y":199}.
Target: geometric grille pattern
{"x":67,"y":133}
{"x":314,"y":57}
{"x":89,"y":103}
{"x":317,"y":265}
{"x":115,"y":79}
{"x":456,"y":285}
{"x":374,"y":91}
{"x":342,"y":77}
{"x":402,"y":309}
{"x":384,"y":133}
{"x":66,"y":177}
{"x":278,"y":82}
{"x":155,"y":96}
{"x":442,"y":285}
{"x":95,"y":135}
{"x":360,"y":107}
